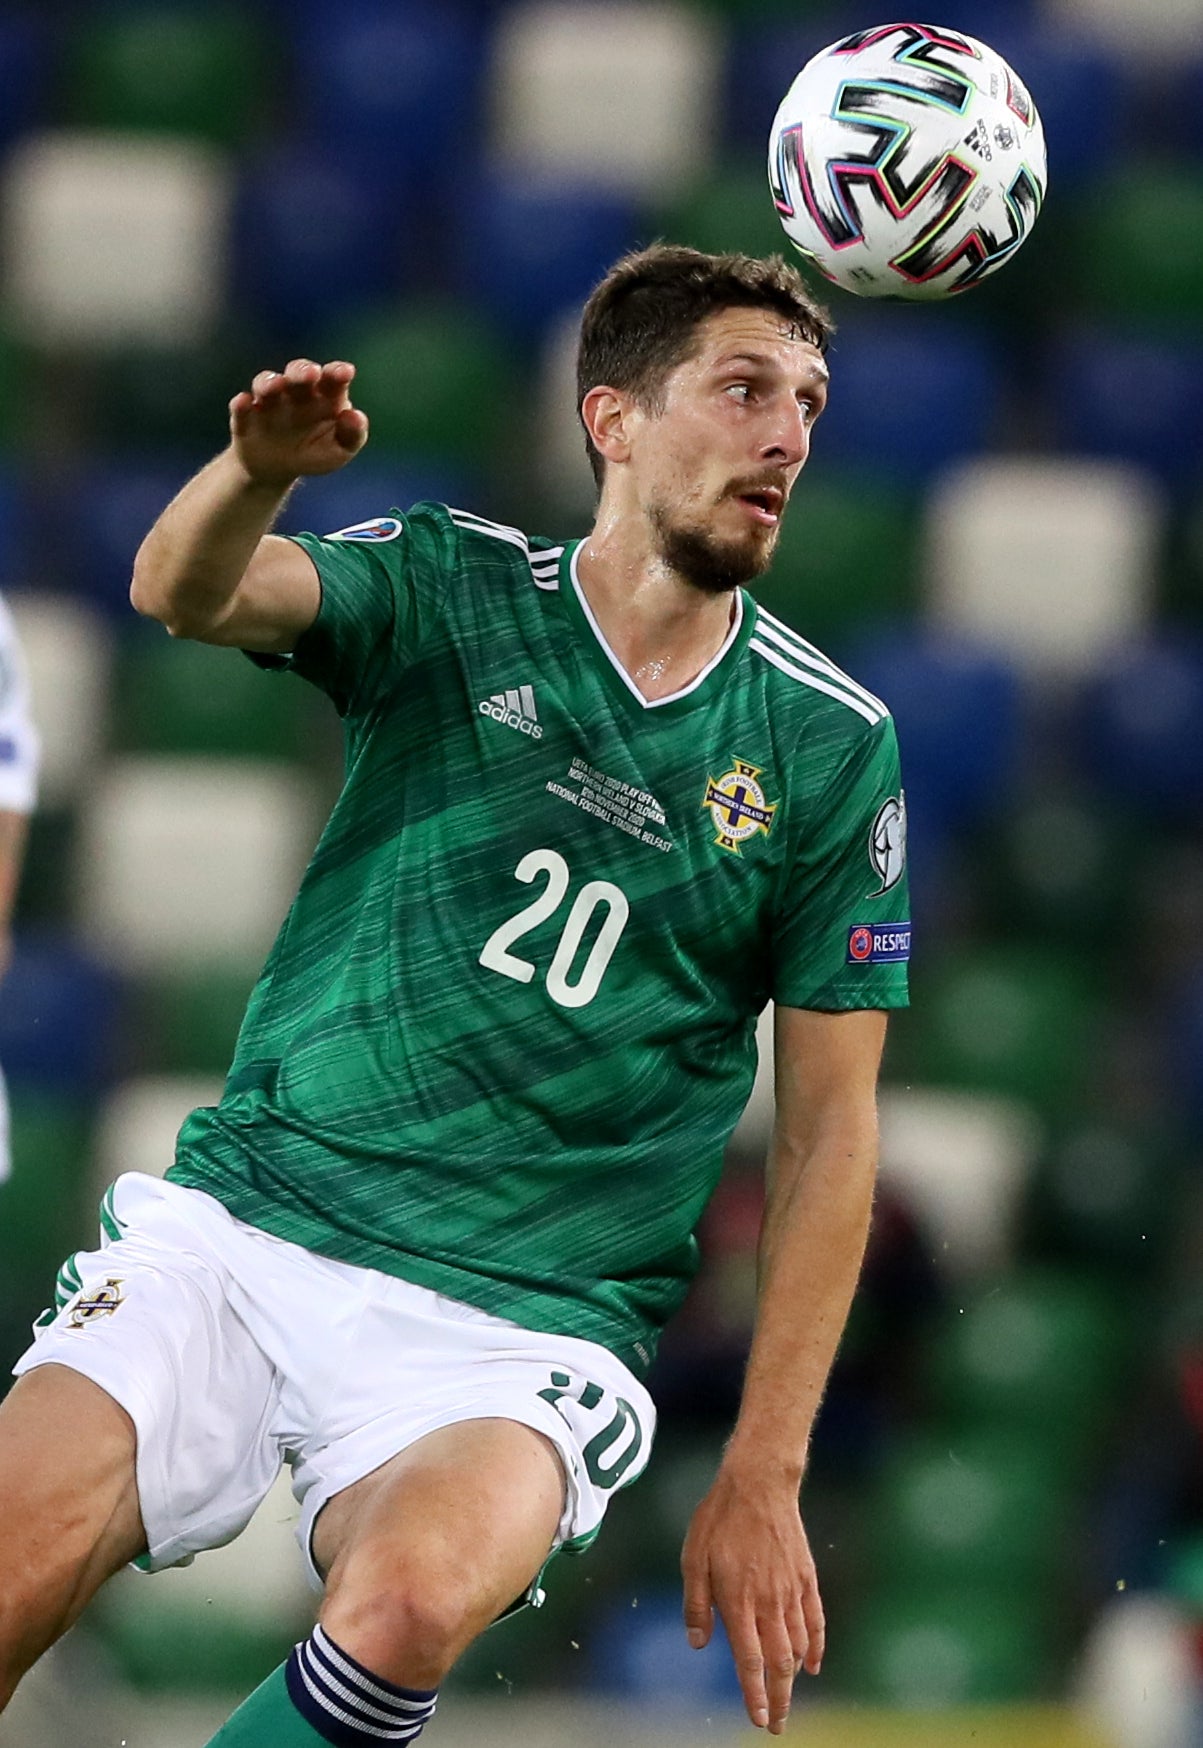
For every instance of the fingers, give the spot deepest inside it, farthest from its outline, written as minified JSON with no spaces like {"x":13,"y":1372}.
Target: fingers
{"x":699,"y":1609}
{"x":302,"y":381}
{"x":815,"y":1629}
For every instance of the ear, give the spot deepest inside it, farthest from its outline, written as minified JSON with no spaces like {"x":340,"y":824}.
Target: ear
{"x":606,"y":415}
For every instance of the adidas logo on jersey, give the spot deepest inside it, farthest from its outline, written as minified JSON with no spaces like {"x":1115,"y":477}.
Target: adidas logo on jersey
{"x":516,"y":709}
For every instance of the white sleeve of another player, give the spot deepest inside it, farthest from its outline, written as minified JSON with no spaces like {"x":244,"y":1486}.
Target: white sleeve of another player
{"x":19,"y":744}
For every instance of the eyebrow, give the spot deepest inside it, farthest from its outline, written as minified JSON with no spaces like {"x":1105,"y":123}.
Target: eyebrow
{"x":759,"y":359}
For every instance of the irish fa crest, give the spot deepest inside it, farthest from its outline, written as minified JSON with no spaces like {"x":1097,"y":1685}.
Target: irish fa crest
{"x":93,"y":1307}
{"x":737,"y":805}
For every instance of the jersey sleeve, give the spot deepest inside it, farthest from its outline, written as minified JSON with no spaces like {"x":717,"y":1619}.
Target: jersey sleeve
{"x":383,"y":586}
{"x":843,"y":934}
{"x":19,"y":742}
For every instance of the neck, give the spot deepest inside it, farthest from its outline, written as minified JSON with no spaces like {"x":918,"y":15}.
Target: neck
{"x":662,"y":629}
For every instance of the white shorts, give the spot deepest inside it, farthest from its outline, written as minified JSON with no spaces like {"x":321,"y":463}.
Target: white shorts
{"x":234,"y":1351}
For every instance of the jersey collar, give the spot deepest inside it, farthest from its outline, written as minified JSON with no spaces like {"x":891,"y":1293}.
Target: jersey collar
{"x":620,"y":684}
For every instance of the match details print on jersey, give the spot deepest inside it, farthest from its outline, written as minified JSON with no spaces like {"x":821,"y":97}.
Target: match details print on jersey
{"x":509,"y":1023}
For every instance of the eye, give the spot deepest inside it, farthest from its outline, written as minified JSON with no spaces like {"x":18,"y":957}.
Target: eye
{"x":740,"y":391}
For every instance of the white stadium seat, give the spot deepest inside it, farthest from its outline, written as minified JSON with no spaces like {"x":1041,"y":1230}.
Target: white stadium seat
{"x":68,"y":654}
{"x":139,"y":1121}
{"x":624,"y":94}
{"x":962,"y":1162}
{"x":1155,"y":31}
{"x":189,"y":862}
{"x":69,"y":198}
{"x":1051,"y":562}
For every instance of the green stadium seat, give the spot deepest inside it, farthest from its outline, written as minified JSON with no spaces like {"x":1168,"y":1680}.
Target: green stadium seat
{"x":174,"y":696}
{"x":1059,"y":867}
{"x":974,"y":1507}
{"x":186,"y":1020}
{"x":1016,"y":1020}
{"x":221,"y":1624}
{"x":1108,"y":1195}
{"x":47,"y":1209}
{"x":961,"y":1646}
{"x":169,"y":68}
{"x":1043,"y":1353}
{"x":170,"y":398}
{"x":846,"y":557}
{"x":729,"y":209}
{"x":1138,"y":251}
{"x":437,"y":382}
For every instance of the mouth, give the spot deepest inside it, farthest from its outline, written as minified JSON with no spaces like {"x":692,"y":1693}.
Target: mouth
{"x":764,"y":504}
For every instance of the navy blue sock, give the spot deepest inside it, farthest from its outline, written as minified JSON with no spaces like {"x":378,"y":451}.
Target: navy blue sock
{"x":346,"y":1704}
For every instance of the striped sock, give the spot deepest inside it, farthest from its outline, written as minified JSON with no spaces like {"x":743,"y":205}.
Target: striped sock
{"x":346,"y":1704}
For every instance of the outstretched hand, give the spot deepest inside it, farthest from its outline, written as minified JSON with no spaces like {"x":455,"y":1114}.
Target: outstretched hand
{"x":297,"y":422}
{"x":747,"y":1555}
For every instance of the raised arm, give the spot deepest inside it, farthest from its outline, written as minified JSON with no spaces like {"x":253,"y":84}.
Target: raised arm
{"x":746,"y":1553}
{"x":209,"y":569}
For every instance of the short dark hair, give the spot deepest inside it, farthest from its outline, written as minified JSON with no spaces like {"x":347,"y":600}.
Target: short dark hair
{"x":642,"y":320}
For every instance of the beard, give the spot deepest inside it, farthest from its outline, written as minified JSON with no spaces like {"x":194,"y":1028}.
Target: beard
{"x":706,"y":563}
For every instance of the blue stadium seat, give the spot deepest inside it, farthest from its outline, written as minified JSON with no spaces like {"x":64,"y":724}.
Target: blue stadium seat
{"x":1141,"y":726}
{"x":1074,"y":81}
{"x":112,"y":504}
{"x":315,"y":236}
{"x":24,"y":71}
{"x":909,"y":394}
{"x":395,"y":81}
{"x":641,"y":1653}
{"x":15,"y":531}
{"x":958,"y":713}
{"x":58,"y":1028}
{"x":372,"y":488}
{"x":528,"y":248}
{"x":1134,"y":397}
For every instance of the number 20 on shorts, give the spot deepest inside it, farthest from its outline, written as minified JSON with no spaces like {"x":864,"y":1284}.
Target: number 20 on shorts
{"x":495,"y":955}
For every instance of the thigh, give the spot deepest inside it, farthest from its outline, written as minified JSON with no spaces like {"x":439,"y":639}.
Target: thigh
{"x":71,"y":1516}
{"x":147,"y":1318}
{"x":467,"y":1516}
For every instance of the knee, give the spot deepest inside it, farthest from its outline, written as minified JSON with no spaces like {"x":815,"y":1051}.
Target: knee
{"x":405,"y":1628}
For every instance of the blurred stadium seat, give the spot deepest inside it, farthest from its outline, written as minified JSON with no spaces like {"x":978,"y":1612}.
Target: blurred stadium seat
{"x":1049,"y":562}
{"x":527,"y":248}
{"x":622,"y":94}
{"x":68,"y":656}
{"x":962,"y":1162}
{"x":58,"y":1017}
{"x":317,"y":236}
{"x":66,"y":194}
{"x":137,"y":1124}
{"x":1130,"y":396}
{"x":173,"y":697}
{"x":1140,"y":725}
{"x":958,"y":708}
{"x":169,"y":67}
{"x":187,"y":862}
{"x":394,"y":82}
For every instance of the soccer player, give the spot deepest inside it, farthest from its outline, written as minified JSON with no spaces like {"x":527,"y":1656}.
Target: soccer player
{"x":18,"y":793}
{"x":598,"y":810}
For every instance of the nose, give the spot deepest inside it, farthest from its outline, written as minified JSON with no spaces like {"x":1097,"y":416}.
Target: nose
{"x":787,"y":440}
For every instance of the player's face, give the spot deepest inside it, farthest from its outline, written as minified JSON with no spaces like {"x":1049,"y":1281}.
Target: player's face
{"x":716,"y":466}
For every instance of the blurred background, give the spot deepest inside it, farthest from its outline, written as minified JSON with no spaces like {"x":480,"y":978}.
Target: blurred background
{"x":1001,"y":532}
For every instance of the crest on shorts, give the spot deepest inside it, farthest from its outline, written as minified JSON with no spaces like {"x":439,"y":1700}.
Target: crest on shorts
{"x":737,"y":805}
{"x":93,"y":1307}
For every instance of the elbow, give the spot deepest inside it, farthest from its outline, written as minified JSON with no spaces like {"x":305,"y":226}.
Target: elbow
{"x":152,"y":601}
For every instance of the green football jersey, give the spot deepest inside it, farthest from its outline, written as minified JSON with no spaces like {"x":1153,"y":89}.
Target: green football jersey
{"x":508,"y":1025}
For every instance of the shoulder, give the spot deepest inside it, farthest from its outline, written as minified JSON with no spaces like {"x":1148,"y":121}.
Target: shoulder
{"x":812,"y":686}
{"x":497,"y":546}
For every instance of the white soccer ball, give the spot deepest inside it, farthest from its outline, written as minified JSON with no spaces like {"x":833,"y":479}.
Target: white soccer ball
{"x":907,"y":161}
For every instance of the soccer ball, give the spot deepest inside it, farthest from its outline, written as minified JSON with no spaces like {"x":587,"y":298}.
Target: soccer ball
{"x":907,"y":161}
